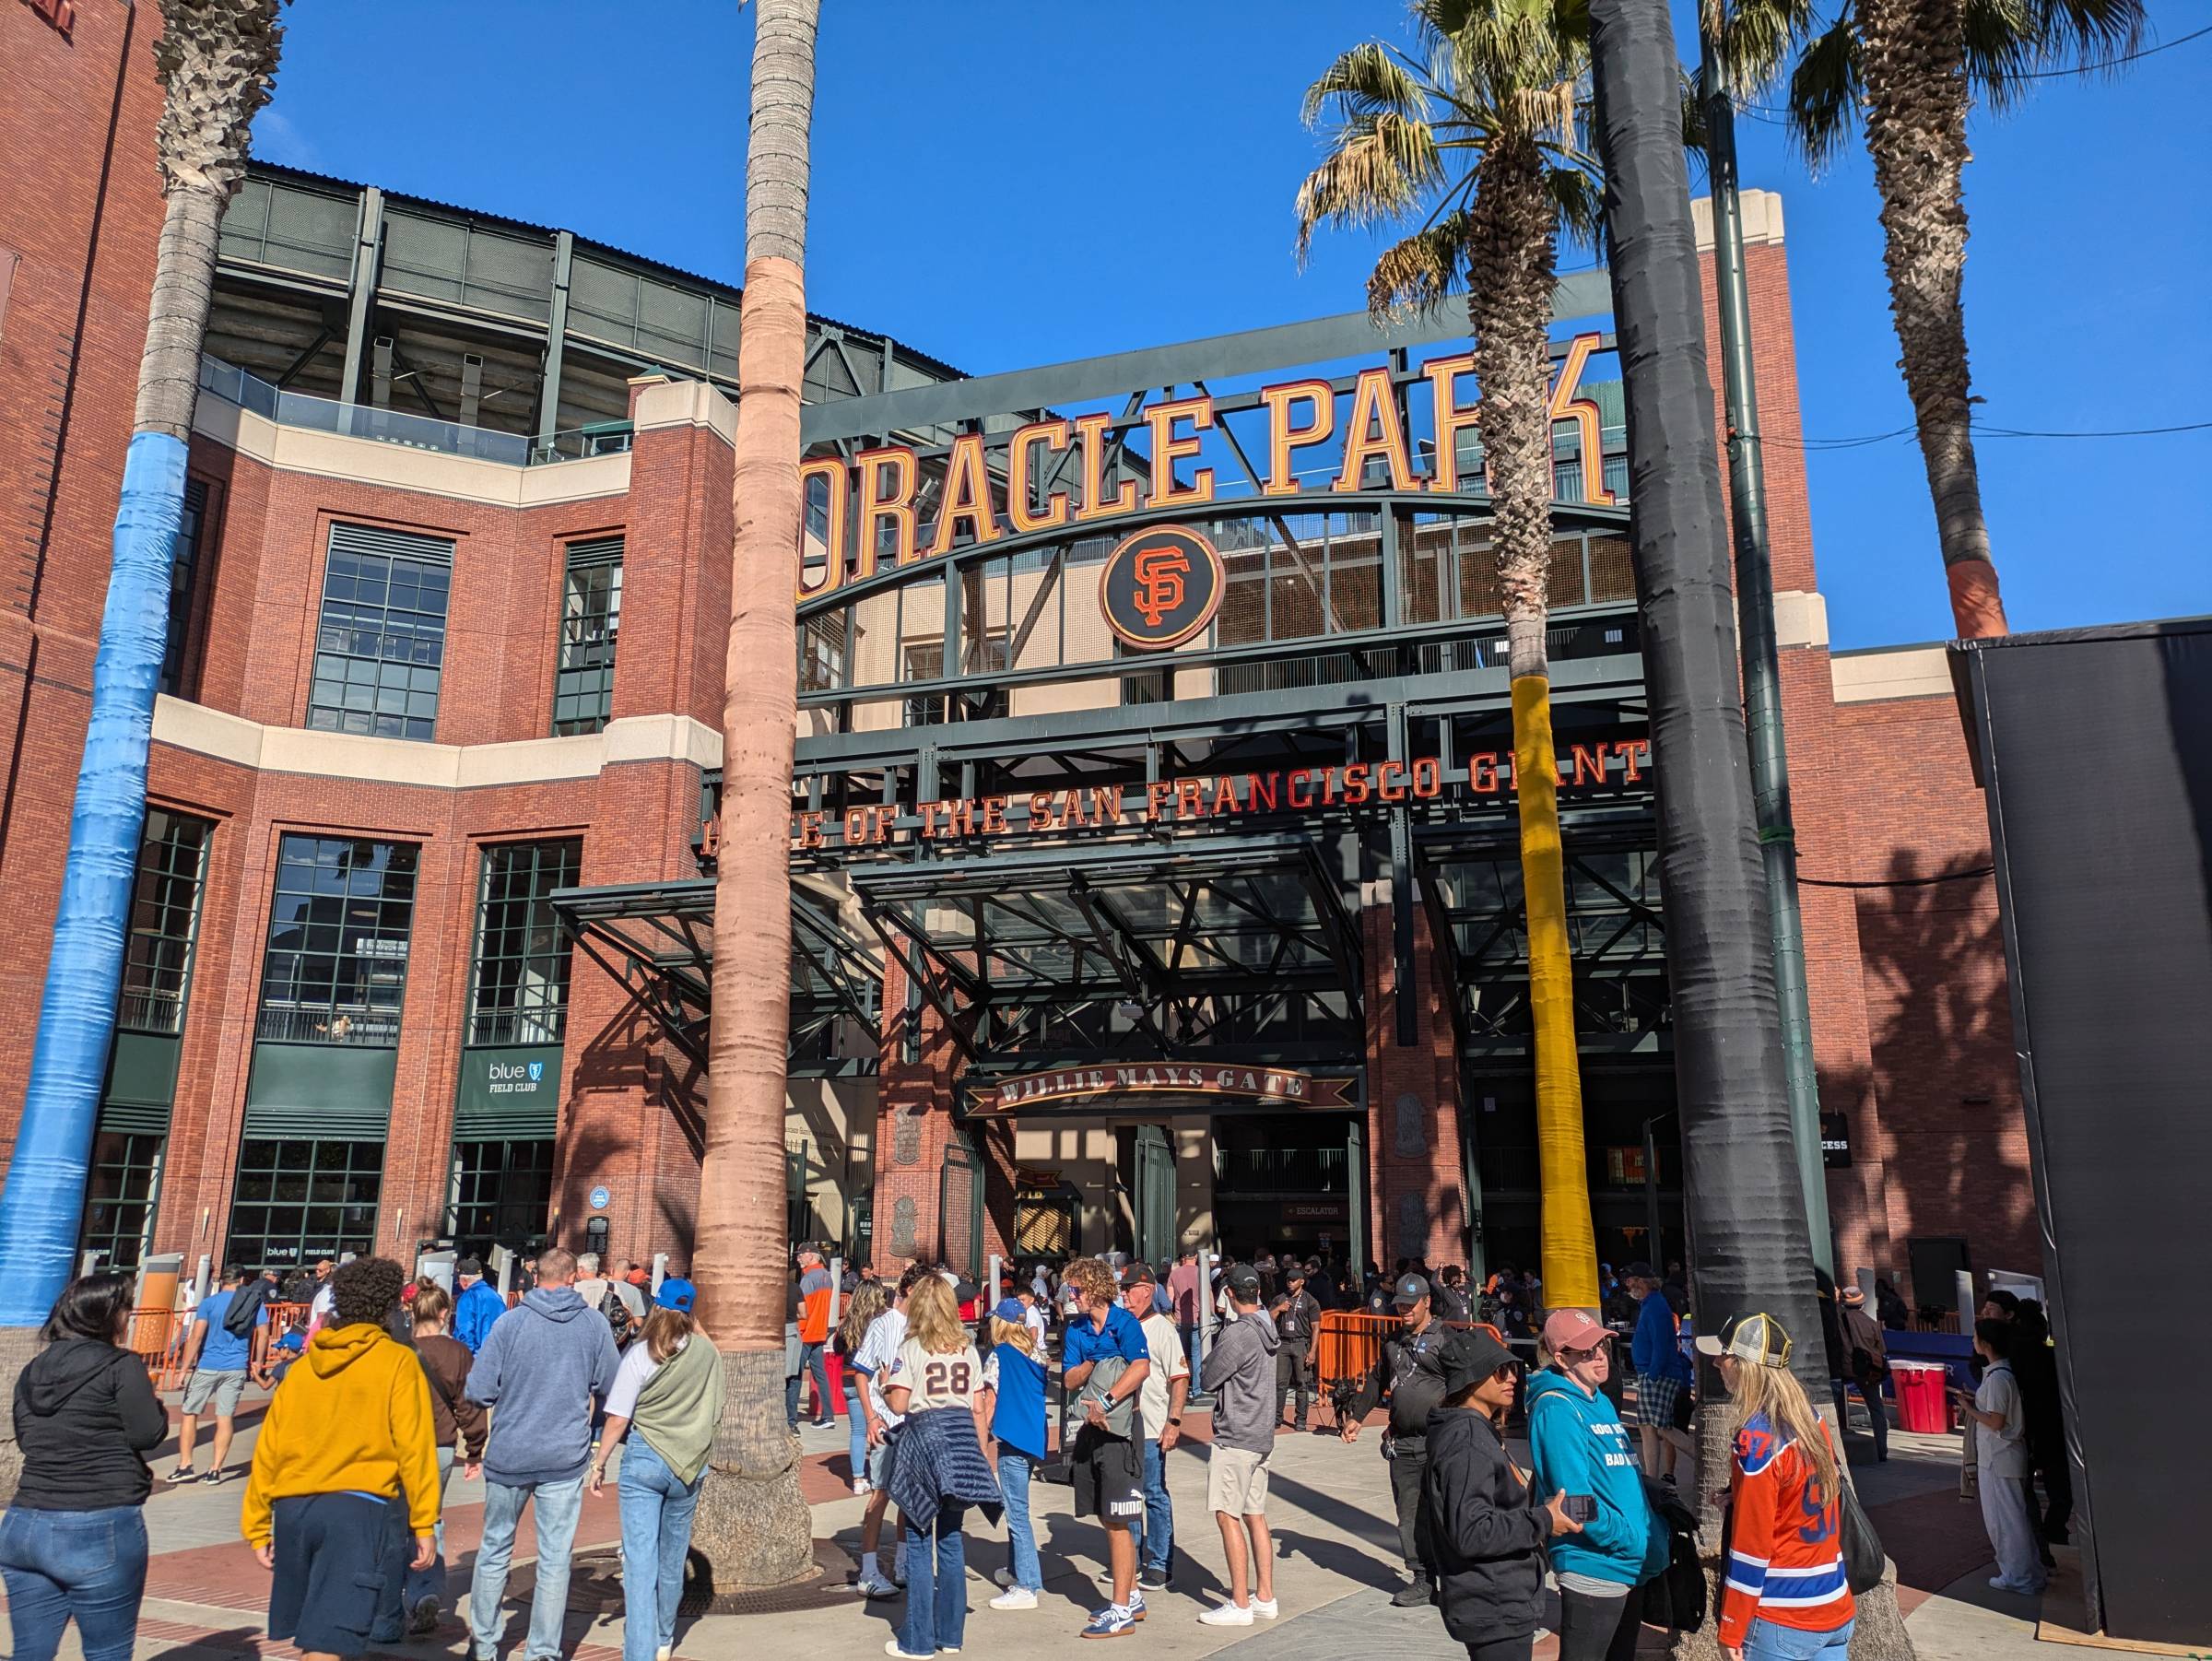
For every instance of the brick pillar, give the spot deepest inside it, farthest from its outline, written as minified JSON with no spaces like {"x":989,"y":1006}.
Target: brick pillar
{"x":913,"y":1127}
{"x":1416,"y":1170}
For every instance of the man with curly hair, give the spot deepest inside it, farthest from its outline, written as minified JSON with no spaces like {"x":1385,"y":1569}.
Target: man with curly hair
{"x":345,"y":1470}
{"x":1104,"y":1360}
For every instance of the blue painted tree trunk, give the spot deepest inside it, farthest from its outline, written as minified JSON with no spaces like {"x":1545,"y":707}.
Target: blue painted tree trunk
{"x":44,"y":1197}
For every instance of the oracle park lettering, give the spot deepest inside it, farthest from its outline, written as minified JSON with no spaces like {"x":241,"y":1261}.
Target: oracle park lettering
{"x":1299,"y":790}
{"x":872,"y":503}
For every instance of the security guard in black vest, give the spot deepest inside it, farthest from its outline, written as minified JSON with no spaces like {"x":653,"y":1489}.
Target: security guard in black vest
{"x":1407,"y":1372}
{"x":1297,"y":1319}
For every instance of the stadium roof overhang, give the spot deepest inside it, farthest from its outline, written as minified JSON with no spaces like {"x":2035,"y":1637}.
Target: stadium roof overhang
{"x":657,"y":940}
{"x":1131,"y":947}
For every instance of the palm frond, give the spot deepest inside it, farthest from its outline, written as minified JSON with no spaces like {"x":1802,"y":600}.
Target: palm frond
{"x":1754,"y":38}
{"x":1377,"y":169}
{"x":1693,"y":117}
{"x":1579,"y":199}
{"x":1825,"y":92}
{"x":2008,"y":41}
{"x":1366,"y":81}
{"x":1418,"y":272}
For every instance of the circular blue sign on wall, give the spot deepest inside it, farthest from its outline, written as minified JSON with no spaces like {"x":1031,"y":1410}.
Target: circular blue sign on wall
{"x":599,"y":1198}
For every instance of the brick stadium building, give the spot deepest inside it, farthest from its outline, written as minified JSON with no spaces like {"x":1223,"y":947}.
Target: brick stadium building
{"x":1103,"y":925}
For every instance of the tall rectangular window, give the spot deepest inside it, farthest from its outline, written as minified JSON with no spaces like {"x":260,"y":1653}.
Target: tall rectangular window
{"x":336,"y":966}
{"x":591,"y":615}
{"x":382,"y":641}
{"x":165,"y":910}
{"x":298,"y":1201}
{"x":183,"y":569}
{"x":520,"y":994}
{"x":125,"y":1184}
{"x":500,"y":1193}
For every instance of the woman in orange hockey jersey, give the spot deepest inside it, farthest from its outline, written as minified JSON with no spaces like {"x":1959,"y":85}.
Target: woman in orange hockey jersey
{"x":1786,"y":1598}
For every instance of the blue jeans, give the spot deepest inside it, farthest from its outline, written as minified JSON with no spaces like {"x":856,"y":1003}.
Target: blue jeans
{"x":1767,"y":1642}
{"x":656,"y":1532}
{"x":420,"y":1584}
{"x":1158,"y":1544}
{"x":936,"y":1597}
{"x":813,"y":1360}
{"x":1015,"y":1471}
{"x":558,"y":1505}
{"x":856,"y":1427}
{"x":87,"y":1565}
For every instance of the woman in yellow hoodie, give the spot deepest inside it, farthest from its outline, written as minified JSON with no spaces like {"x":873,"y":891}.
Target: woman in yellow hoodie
{"x":345,"y":1470}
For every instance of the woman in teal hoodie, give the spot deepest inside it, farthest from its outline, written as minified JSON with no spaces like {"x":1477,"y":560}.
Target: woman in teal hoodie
{"x":1581,"y":1448}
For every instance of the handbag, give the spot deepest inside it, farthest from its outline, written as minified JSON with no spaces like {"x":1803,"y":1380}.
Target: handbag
{"x":1863,"y":1559}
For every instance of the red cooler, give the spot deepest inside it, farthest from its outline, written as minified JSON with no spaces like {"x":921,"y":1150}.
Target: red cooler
{"x":1921,"y":1403}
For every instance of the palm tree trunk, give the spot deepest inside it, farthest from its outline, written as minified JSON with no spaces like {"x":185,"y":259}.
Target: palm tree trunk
{"x":1914,"y":63}
{"x":1748,"y":1247}
{"x":1511,"y":263}
{"x":215,"y":59}
{"x":753,"y":1526}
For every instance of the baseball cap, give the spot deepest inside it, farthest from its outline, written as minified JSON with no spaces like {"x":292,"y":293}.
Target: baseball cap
{"x":1638,"y":1270}
{"x":471,"y":1266}
{"x":1411,"y":1291}
{"x":1244,"y":1279}
{"x":1853,"y":1298}
{"x":1012,"y":1309}
{"x":1572,"y":1329}
{"x":1758,"y":1339}
{"x":675,"y":1293}
{"x":1140,"y":1273}
{"x":1297,"y":1271}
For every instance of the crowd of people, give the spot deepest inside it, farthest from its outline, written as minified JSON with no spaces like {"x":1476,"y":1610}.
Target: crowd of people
{"x":388,"y":1387}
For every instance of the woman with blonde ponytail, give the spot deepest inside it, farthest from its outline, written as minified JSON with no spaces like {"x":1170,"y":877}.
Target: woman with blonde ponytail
{"x":1786,"y":1598}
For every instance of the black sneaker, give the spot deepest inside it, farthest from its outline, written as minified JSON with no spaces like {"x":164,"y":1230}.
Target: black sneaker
{"x":1412,"y":1596}
{"x":1153,"y":1580}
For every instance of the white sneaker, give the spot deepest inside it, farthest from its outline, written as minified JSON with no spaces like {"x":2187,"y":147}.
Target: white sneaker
{"x":860,"y":1488}
{"x":1014,"y":1598}
{"x":665,"y":1653}
{"x":1265,"y":1608}
{"x":1225,"y":1614}
{"x":874,"y":1586}
{"x":890,"y":1647}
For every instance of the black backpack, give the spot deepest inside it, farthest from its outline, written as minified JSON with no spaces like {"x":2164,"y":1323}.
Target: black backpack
{"x":619,"y":1321}
{"x":1676,"y":1598}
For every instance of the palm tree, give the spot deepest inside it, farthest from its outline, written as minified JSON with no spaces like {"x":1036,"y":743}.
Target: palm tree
{"x":1483,"y":130}
{"x":216,"y":60}
{"x":1914,"y":69}
{"x":753,"y":1525}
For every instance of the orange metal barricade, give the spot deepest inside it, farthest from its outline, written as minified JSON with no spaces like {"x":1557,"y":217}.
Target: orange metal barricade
{"x":1347,"y":1343}
{"x":159,"y":1338}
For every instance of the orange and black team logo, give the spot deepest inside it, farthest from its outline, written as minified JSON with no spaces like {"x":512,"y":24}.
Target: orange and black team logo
{"x":1162,"y":586}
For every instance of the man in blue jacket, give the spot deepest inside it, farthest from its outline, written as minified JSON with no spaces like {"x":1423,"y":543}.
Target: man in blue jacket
{"x":477,"y":1306}
{"x":1662,"y":1379}
{"x":1581,"y":1449}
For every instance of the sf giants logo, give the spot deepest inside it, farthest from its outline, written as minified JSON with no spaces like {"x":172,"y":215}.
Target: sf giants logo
{"x":1161,"y":587}
{"x":1160,"y":572}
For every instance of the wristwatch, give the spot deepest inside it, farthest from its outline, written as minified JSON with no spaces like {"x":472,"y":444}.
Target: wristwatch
{"x":1176,"y":1420}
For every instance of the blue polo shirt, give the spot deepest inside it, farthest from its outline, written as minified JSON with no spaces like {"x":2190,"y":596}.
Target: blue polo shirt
{"x":1124,"y":1335}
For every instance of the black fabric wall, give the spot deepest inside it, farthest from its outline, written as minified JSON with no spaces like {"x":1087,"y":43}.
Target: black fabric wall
{"x":2095,"y":747}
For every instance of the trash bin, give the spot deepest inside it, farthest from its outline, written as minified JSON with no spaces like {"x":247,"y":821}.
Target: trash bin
{"x":1921,"y":1403}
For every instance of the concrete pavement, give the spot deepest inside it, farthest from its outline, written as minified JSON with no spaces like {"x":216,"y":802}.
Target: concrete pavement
{"x":1337,"y":1564}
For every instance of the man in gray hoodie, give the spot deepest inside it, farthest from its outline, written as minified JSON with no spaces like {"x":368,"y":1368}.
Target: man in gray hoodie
{"x":542,"y":1364}
{"x":1239,"y":1371}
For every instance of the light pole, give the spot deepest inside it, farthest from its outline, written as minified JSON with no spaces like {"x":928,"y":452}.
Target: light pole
{"x":1761,"y":663}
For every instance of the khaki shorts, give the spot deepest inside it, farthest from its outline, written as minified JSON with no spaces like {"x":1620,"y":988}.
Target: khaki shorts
{"x":1236,"y":1481}
{"x":225,"y":1388}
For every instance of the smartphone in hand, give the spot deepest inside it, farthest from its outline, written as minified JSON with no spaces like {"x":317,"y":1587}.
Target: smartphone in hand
{"x":1581,"y":1509}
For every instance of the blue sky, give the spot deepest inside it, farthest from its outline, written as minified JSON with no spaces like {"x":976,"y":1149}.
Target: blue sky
{"x":1006,"y":184}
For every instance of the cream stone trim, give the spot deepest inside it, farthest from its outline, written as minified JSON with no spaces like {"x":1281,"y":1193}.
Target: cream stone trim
{"x":1800,"y":618}
{"x":661,"y":402}
{"x":400,"y":467}
{"x":290,"y":750}
{"x":1892,"y":672}
{"x":1763,"y":219}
